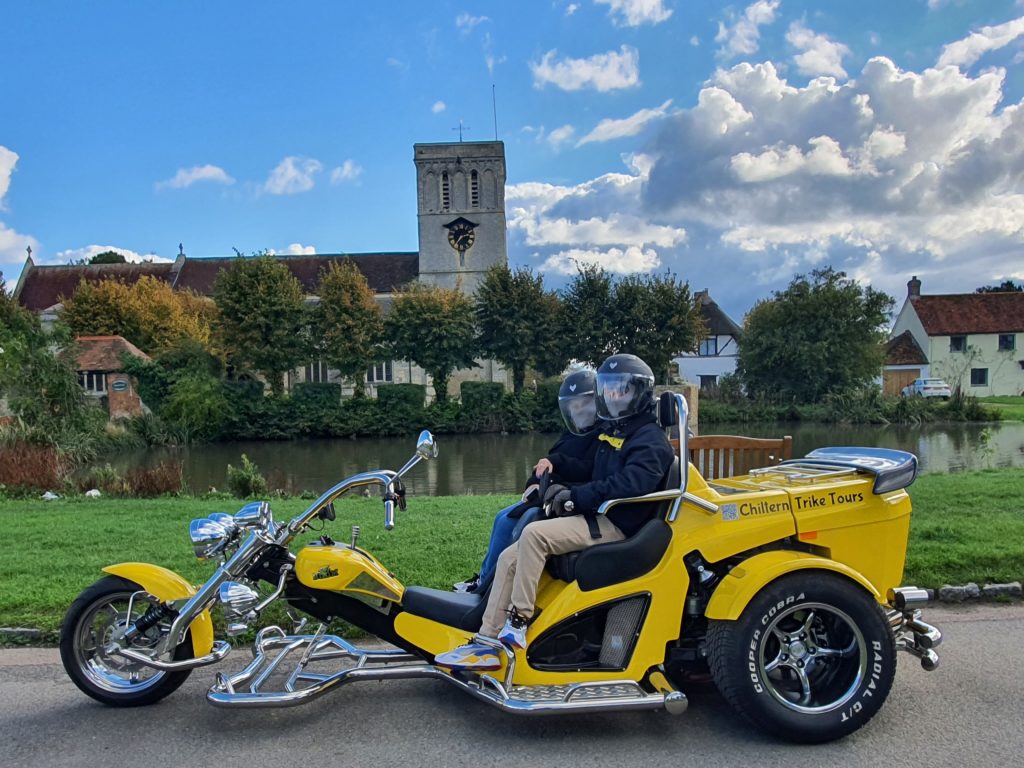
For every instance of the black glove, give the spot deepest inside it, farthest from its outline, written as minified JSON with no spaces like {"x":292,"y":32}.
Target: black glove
{"x":555,"y":501}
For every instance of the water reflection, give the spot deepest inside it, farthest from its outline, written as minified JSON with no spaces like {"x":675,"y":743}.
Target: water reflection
{"x":481,"y":464}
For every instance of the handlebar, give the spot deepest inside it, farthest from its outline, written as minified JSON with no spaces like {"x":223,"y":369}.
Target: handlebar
{"x":389,"y":514}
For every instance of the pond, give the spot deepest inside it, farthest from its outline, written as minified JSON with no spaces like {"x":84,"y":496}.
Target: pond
{"x":482,"y":464}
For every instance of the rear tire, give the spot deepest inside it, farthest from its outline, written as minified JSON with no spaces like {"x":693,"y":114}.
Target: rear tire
{"x":810,"y":659}
{"x":96,"y":616}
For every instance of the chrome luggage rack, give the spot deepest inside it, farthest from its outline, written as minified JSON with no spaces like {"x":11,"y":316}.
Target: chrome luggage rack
{"x":803,"y":472}
{"x":250,"y":688}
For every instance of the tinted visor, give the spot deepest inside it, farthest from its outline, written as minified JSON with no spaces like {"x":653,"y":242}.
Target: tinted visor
{"x":579,"y":412}
{"x":618,"y":394}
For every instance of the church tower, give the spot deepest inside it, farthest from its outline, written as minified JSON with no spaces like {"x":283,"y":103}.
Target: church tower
{"x":460,"y":201}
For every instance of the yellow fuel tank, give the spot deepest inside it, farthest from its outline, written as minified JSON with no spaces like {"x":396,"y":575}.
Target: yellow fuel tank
{"x":340,"y":568}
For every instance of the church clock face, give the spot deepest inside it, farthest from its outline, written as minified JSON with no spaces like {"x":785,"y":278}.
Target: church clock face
{"x":461,"y":234}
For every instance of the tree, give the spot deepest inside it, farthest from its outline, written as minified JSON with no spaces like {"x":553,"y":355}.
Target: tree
{"x":262,"y":317}
{"x":149,"y":313}
{"x":37,"y":374}
{"x":433,"y":327}
{"x":824,"y":333}
{"x":1007,"y":286}
{"x":589,"y":325}
{"x":553,"y":352}
{"x":108,"y":257}
{"x":512,"y":311}
{"x":348,"y":323}
{"x":656,"y":318}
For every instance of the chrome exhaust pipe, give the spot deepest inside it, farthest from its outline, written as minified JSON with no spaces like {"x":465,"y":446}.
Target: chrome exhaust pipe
{"x":909,"y":598}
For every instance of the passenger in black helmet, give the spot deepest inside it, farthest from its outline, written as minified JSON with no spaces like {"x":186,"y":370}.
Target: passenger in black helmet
{"x":632,"y":459}
{"x":568,"y":460}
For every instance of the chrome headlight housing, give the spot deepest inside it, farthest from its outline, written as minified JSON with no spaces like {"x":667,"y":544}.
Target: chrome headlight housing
{"x":209,"y":537}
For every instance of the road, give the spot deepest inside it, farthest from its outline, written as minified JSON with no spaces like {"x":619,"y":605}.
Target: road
{"x":967,"y":714}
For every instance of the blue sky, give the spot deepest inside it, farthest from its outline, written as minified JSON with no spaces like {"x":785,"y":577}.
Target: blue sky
{"x":733,"y":144}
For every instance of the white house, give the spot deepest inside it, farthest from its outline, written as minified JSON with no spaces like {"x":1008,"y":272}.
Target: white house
{"x":716,"y":355}
{"x":972,"y":340}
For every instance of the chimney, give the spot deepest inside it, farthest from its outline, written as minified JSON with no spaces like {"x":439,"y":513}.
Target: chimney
{"x":913,"y":288}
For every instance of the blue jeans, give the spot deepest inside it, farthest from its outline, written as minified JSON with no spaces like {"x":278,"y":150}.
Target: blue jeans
{"x":504,"y":532}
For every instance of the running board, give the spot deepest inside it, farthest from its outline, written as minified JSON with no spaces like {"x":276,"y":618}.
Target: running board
{"x":249,"y":689}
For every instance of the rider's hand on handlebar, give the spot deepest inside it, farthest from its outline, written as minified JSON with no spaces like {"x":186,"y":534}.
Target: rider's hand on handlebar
{"x":555,"y":499}
{"x":544,"y":465}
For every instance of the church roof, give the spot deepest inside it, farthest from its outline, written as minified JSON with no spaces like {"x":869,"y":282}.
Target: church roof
{"x":904,"y":350}
{"x":43,"y":286}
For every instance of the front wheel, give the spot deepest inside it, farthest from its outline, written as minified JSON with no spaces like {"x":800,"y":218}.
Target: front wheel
{"x":810,"y":659}
{"x":99,"y":615}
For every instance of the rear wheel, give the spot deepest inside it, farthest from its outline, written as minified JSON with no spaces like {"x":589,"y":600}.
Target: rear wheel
{"x":100,"y":615}
{"x":810,"y":659}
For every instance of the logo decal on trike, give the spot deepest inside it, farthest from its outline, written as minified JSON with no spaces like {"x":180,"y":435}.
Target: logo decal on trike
{"x":730,"y":512}
{"x":325,"y":573}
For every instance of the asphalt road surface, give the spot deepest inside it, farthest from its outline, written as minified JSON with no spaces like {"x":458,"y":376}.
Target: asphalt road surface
{"x":969,"y":714}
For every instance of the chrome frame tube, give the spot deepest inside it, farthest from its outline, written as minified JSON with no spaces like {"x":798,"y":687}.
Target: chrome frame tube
{"x":219,"y":651}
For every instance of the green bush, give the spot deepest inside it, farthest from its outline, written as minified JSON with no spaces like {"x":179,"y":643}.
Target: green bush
{"x":402,"y":395}
{"x":399,"y":408}
{"x":481,"y":406}
{"x":246,"y":482}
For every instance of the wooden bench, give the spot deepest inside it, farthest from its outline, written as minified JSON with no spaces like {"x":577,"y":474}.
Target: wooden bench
{"x":717,"y":456}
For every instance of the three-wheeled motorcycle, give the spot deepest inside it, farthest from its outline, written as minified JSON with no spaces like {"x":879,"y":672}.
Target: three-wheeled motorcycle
{"x":782,"y":585}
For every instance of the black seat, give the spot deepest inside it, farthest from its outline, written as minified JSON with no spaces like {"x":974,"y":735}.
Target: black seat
{"x":605,"y":564}
{"x":464,"y":610}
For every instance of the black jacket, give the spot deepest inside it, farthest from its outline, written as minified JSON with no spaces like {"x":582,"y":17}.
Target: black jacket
{"x":572,"y":456}
{"x":631,"y":459}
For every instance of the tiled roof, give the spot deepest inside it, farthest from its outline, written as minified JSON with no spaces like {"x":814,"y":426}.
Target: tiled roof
{"x":384,"y":272}
{"x":971,"y":313}
{"x":103,"y":353}
{"x":718,"y":323}
{"x":43,"y":286}
{"x":904,"y":350}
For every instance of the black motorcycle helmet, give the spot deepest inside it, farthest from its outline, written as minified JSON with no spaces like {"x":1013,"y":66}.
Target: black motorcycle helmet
{"x":625,"y":387}
{"x":576,"y":401}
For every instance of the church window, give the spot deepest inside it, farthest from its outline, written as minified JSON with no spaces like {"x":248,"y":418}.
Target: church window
{"x":474,"y":189}
{"x":316,"y":372}
{"x":380,"y":373}
{"x":446,"y":192}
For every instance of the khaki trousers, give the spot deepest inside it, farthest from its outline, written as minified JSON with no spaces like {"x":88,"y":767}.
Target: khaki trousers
{"x":520,"y":566}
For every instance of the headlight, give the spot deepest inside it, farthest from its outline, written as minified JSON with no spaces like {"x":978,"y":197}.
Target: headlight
{"x":209,"y":538}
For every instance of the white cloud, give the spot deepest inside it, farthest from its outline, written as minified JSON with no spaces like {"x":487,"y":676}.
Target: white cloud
{"x":628,"y":261}
{"x":571,"y":8}
{"x":633,"y":13}
{"x":293,"y":175}
{"x":559,"y":136}
{"x":186,"y":177}
{"x":350,"y":170}
{"x":398,"y":64}
{"x":466,"y":22}
{"x":963,"y":53}
{"x":88,"y":251}
{"x":298,"y":249}
{"x":743,"y":36}
{"x":8,"y":159}
{"x":819,"y":55}
{"x":609,"y":129}
{"x":439,"y":106}
{"x":602,"y":71}
{"x":695,"y":41}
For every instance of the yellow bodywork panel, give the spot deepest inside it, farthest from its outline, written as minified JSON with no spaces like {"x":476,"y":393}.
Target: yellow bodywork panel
{"x":339,"y":568}
{"x":747,"y":579}
{"x":166,"y":585}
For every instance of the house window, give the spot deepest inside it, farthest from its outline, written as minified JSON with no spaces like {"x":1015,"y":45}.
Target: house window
{"x":707,"y":382}
{"x":708,"y":347}
{"x":380,"y":373}
{"x":474,"y":189}
{"x":1007,"y":342}
{"x":93,"y":381}
{"x":957,"y":343}
{"x":316,"y":372}
{"x":979,"y":377}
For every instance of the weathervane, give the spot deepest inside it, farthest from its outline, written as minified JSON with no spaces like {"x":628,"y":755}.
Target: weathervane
{"x":460,"y":129}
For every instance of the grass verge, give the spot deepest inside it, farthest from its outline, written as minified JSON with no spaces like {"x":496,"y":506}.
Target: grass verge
{"x":1008,"y":407}
{"x":965,"y":527}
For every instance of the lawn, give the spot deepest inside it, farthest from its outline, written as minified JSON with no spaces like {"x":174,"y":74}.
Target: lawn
{"x":965,"y":527}
{"x":1010,"y":408}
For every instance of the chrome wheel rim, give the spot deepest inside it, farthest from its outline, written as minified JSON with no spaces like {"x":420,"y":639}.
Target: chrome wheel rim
{"x":104,"y":621}
{"x":813,"y":658}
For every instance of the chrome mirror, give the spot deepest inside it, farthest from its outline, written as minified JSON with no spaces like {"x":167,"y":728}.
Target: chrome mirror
{"x":426,"y":448}
{"x":208,"y":537}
